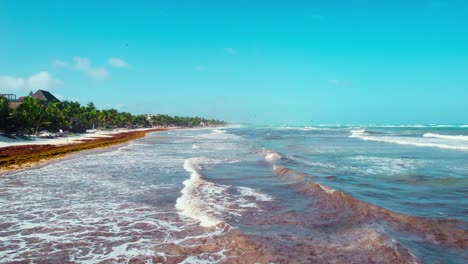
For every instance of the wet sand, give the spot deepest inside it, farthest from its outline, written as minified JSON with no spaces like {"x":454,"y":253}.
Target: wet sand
{"x":26,"y":156}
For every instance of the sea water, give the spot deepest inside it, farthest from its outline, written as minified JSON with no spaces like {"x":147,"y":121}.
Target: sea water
{"x":276,"y":194}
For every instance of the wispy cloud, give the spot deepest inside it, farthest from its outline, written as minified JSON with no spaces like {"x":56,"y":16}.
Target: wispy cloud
{"x":230,"y":50}
{"x":60,"y":64}
{"x":41,"y":80}
{"x":118,"y":63}
{"x":85,"y":65}
{"x":199,"y":67}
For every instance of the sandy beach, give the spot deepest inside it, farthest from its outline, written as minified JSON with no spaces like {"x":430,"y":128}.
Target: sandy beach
{"x":18,"y":154}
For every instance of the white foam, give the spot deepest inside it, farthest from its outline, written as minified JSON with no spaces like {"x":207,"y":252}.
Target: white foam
{"x":327,"y":189}
{"x":271,"y":155}
{"x":256,"y":194}
{"x":191,"y":204}
{"x":383,"y":165}
{"x":120,"y":211}
{"x":413,"y":141}
{"x":208,"y":203}
{"x":451,"y":137}
{"x":219,"y":131}
{"x":218,"y":135}
{"x":305,"y":128}
{"x":313,"y":128}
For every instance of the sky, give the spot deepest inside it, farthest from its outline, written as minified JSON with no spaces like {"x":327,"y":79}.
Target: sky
{"x":262,"y":62}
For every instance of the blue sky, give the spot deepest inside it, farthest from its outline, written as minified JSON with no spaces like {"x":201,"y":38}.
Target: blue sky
{"x":263,"y":62}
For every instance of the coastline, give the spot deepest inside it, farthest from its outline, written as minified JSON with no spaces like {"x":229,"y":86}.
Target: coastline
{"x":24,"y":156}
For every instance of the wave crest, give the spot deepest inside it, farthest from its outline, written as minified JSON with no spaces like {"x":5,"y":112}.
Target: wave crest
{"x":191,"y":204}
{"x":334,"y":207}
{"x":413,"y":141}
{"x":210,"y":203}
{"x":271,"y":156}
{"x":451,"y":137}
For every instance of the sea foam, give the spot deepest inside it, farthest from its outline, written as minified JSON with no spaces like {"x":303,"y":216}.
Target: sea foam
{"x":413,"y":141}
{"x":271,"y":156}
{"x":208,"y":202}
{"x":451,"y":137}
{"x":190,"y":203}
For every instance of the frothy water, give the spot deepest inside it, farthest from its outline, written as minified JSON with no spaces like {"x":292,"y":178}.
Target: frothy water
{"x":391,"y":194}
{"x":457,"y":142}
{"x":271,"y":155}
{"x":452,"y":137}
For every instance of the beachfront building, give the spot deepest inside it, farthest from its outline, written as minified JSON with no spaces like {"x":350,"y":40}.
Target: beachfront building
{"x":45,"y":96}
{"x":9,"y":97}
{"x":149,"y":116}
{"x":39,"y":94}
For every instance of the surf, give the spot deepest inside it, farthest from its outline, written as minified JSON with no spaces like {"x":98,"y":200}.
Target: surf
{"x":208,"y":203}
{"x":451,"y":137}
{"x":412,"y":141}
{"x":339,"y":209}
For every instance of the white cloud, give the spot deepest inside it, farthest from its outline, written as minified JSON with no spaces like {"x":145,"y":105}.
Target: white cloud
{"x":80,"y":63}
{"x":60,"y":64}
{"x":230,"y":50}
{"x":97,"y":73}
{"x":118,"y":63}
{"x":10,"y":83}
{"x":42,"y":80}
{"x":85,"y":65}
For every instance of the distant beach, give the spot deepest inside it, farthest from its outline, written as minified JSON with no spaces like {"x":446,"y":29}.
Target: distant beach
{"x":26,"y":153}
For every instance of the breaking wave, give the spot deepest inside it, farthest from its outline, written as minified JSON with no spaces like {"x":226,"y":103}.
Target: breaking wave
{"x":413,"y":141}
{"x":336,"y":208}
{"x":219,"y":131}
{"x":191,"y":204}
{"x":209,"y":203}
{"x":451,"y":137}
{"x":305,"y":128}
{"x":271,"y":156}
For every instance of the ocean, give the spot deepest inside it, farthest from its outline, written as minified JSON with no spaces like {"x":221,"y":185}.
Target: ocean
{"x":248,"y":194}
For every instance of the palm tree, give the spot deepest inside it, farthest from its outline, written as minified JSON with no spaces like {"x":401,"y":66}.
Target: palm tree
{"x":5,"y":114}
{"x":32,"y":112}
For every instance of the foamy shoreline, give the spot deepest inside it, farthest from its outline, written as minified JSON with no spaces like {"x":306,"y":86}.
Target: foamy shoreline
{"x":17,"y":154}
{"x":24,"y":154}
{"x":72,"y":139}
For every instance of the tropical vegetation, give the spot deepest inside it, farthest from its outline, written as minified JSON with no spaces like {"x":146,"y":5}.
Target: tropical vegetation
{"x":34,"y":115}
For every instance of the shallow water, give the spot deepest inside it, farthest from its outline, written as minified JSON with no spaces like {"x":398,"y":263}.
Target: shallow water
{"x":248,"y":194}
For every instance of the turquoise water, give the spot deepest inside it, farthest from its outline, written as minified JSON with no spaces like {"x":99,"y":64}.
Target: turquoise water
{"x":347,"y":194}
{"x":387,"y":166}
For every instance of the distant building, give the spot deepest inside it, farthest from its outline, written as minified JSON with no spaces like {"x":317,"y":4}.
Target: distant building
{"x":45,"y":96}
{"x":39,"y":94}
{"x":10,"y":97}
{"x":148,"y":116}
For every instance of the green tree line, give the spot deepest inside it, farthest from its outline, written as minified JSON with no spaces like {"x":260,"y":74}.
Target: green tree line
{"x":34,"y":115}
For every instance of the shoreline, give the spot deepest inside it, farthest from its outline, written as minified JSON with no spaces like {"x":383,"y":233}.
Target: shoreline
{"x":25,"y":156}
